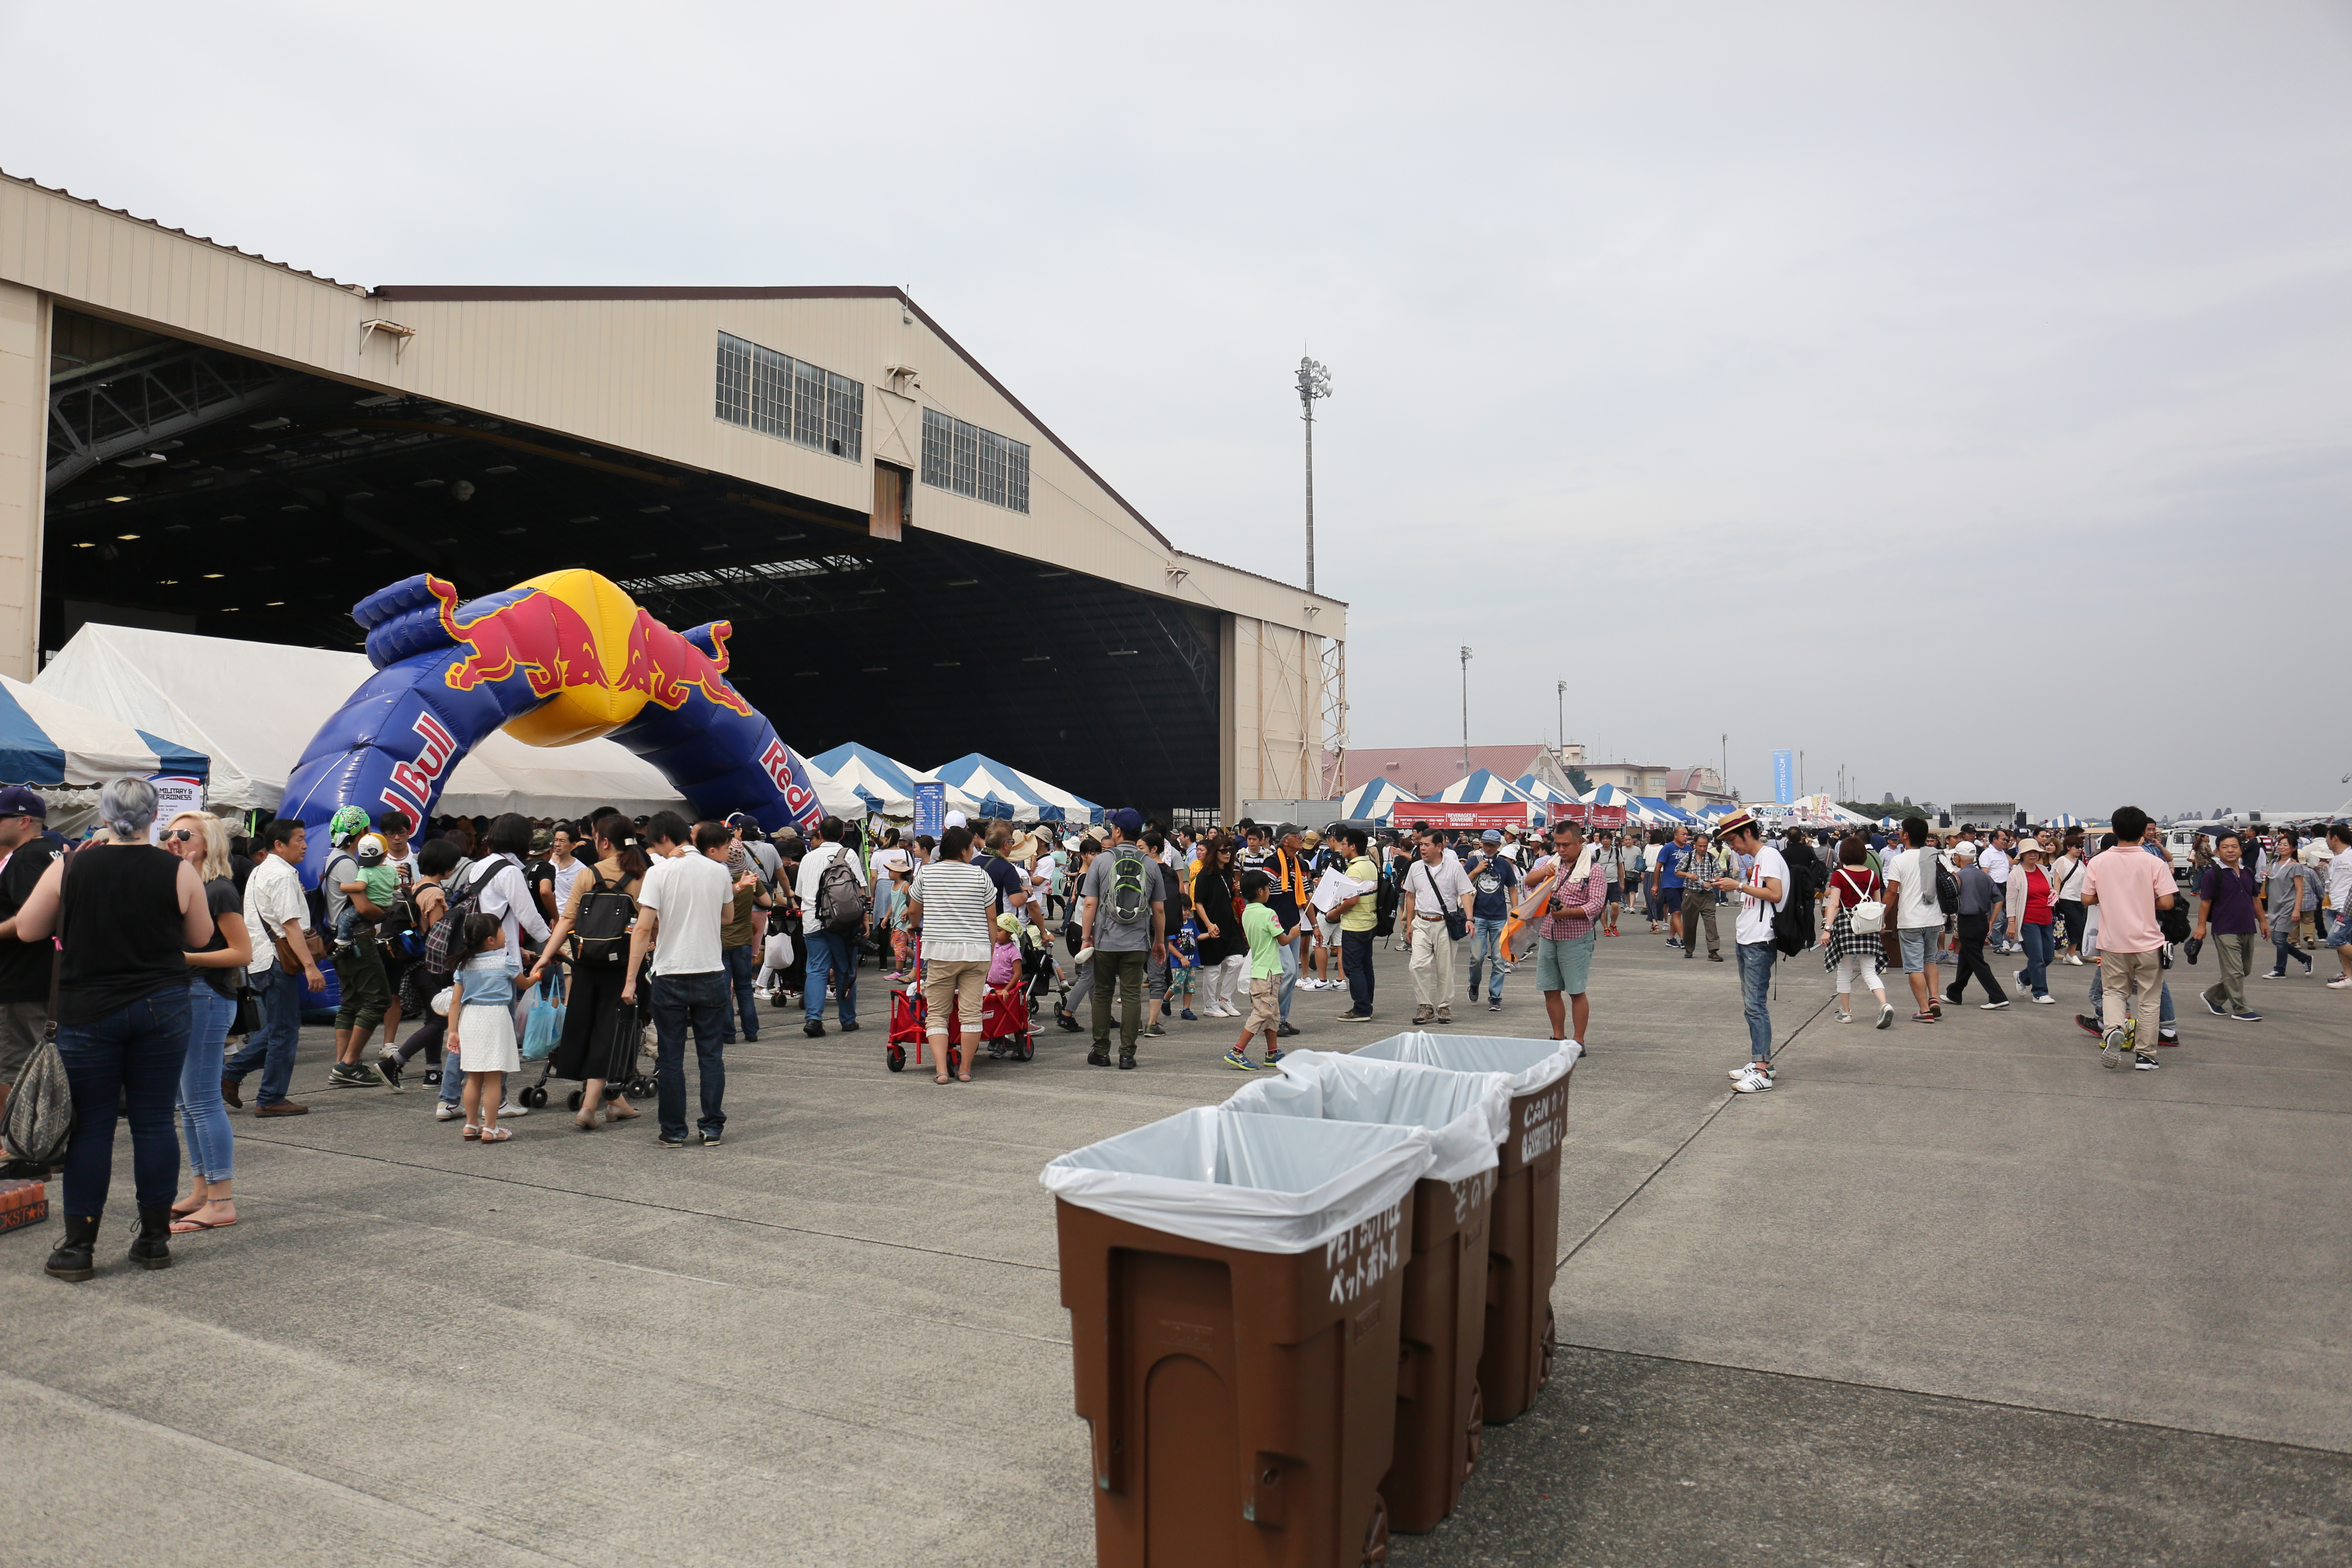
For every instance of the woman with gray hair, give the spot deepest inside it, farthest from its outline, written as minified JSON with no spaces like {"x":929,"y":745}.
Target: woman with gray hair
{"x":126,"y":914}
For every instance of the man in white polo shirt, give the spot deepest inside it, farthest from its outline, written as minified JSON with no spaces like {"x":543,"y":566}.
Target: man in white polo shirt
{"x":685,"y":897}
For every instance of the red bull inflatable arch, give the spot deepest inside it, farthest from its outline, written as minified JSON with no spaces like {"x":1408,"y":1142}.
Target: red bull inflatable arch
{"x":563,"y":658}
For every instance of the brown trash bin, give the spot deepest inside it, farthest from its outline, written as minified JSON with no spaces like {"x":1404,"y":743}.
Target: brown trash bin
{"x":1523,"y":1254}
{"x":1523,"y":1225}
{"x":1440,"y":1410}
{"x":1242,"y":1405}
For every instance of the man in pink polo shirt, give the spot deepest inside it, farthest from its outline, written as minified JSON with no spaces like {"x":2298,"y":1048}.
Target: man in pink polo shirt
{"x":2129,"y":885}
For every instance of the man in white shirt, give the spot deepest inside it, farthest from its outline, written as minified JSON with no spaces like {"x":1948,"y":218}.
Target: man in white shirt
{"x":1433,"y":886}
{"x":274,"y":902}
{"x":1994,"y":863}
{"x":683,"y":900}
{"x":1762,"y":892}
{"x":1918,"y":918}
{"x":830,"y":953}
{"x":2339,"y":894}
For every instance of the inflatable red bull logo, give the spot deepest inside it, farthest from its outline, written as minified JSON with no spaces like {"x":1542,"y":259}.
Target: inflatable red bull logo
{"x":563,"y":658}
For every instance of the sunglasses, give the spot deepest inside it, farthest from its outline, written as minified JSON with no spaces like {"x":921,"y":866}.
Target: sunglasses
{"x":181,"y":833}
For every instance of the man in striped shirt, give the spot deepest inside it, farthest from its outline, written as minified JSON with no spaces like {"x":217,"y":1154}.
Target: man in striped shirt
{"x":1569,"y":903}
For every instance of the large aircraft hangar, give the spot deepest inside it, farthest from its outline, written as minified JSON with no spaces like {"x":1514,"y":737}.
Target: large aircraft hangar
{"x":202,"y":439}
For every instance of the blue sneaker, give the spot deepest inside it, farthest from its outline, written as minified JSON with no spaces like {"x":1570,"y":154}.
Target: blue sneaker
{"x":1189,"y":1015}
{"x":1235,"y":1059}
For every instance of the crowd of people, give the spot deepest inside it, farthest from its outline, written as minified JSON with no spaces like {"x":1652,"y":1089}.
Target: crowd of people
{"x":176,"y":970}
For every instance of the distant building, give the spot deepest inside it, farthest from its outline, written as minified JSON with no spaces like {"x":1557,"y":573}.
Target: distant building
{"x":1690,"y":788}
{"x":1422,"y":770}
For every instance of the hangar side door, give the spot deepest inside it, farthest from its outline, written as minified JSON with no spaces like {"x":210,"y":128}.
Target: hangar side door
{"x":893,"y":501}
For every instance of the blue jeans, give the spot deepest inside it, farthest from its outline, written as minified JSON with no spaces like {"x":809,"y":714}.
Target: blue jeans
{"x":203,"y":1114}
{"x":740,"y":971}
{"x":1288,"y":981}
{"x":1755,"y":992}
{"x":2000,"y":918}
{"x":699,"y":1000}
{"x":130,"y":1058}
{"x":280,"y":996}
{"x":2040,"y":947}
{"x":1486,"y":948}
{"x":830,"y":954}
{"x":1356,"y":950}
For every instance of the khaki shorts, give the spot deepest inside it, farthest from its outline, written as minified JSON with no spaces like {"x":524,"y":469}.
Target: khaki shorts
{"x":1263,"y":1013}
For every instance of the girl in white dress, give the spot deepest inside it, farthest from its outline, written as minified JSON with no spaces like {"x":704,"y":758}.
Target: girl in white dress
{"x":481,"y":1013}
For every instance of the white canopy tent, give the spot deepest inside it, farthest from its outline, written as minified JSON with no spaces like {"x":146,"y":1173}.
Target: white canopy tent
{"x":253,"y":708}
{"x":863,"y":780}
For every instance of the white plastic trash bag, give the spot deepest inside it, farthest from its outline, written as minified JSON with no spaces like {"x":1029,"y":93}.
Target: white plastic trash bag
{"x":1257,"y":1183}
{"x":1466,"y":1114}
{"x":779,"y":951}
{"x":1532,"y":1064}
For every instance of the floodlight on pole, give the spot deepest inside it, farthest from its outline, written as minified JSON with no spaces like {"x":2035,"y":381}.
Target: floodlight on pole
{"x":1314,"y":383}
{"x":1465,"y":711}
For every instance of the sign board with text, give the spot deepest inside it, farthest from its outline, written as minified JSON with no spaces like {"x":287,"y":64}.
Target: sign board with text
{"x":1438,"y":814}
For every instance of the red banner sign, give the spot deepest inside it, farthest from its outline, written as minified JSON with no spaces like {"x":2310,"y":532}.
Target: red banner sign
{"x":1437,"y":814}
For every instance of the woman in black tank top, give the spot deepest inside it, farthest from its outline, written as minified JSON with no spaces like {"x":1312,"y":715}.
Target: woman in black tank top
{"x":125,"y":914}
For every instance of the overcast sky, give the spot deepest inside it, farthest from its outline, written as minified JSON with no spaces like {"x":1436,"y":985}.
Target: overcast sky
{"x":1961,"y":399}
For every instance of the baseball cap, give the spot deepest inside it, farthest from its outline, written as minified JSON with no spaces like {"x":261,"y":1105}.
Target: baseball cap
{"x":18,"y":801}
{"x":955,"y":819}
{"x":371,"y":850}
{"x":1492,"y":836}
{"x":741,"y":819}
{"x":1127,"y":820}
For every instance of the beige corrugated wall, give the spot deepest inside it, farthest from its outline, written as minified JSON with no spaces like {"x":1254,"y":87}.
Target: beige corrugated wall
{"x":24,"y":458}
{"x":1271,"y":681}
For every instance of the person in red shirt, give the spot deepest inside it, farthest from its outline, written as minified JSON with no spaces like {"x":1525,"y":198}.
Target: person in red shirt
{"x":2033,"y":915}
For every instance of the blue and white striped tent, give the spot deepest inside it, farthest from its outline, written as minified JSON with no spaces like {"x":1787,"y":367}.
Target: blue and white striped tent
{"x":1005,"y":791}
{"x":47,"y":742}
{"x":2064,"y":821}
{"x":1374,"y":801}
{"x":1484,"y":788}
{"x":1542,"y":794}
{"x":881,"y":783}
{"x":1658,"y":806}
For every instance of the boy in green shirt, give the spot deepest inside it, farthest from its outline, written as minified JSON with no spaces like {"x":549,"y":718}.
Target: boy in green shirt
{"x":1266,"y":939}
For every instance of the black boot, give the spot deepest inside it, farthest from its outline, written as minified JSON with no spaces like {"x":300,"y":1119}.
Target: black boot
{"x":154,"y":1246}
{"x":71,"y":1260}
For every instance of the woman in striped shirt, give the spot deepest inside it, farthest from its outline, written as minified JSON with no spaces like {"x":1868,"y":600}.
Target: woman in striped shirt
{"x":954,"y":906}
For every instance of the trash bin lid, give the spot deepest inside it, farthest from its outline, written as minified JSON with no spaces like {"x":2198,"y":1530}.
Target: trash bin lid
{"x":1258,"y":1183}
{"x":1466,"y":1114}
{"x":1532,"y":1064}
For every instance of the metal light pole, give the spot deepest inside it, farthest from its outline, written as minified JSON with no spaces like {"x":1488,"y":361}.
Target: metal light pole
{"x":1465,"y":711}
{"x":1314,"y":382}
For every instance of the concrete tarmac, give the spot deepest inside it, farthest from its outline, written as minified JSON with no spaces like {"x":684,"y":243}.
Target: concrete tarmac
{"x":1952,"y":1293}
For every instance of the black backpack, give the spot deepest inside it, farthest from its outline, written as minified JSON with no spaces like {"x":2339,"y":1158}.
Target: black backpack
{"x":1384,"y":906}
{"x":840,"y":897}
{"x":1948,"y":887}
{"x":607,"y":911}
{"x":1792,"y":923}
{"x":444,"y":943}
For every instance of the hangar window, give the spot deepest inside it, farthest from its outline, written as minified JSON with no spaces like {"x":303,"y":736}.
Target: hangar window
{"x":974,"y":462}
{"x":790,"y":399}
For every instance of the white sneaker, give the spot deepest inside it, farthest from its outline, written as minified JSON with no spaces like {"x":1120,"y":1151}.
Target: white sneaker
{"x":2341,"y":983}
{"x":511,"y":1108}
{"x":444,"y":1111}
{"x":2075,"y":959}
{"x":2047,"y":1001}
{"x":1845,"y":1017}
{"x":1748,"y":1080}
